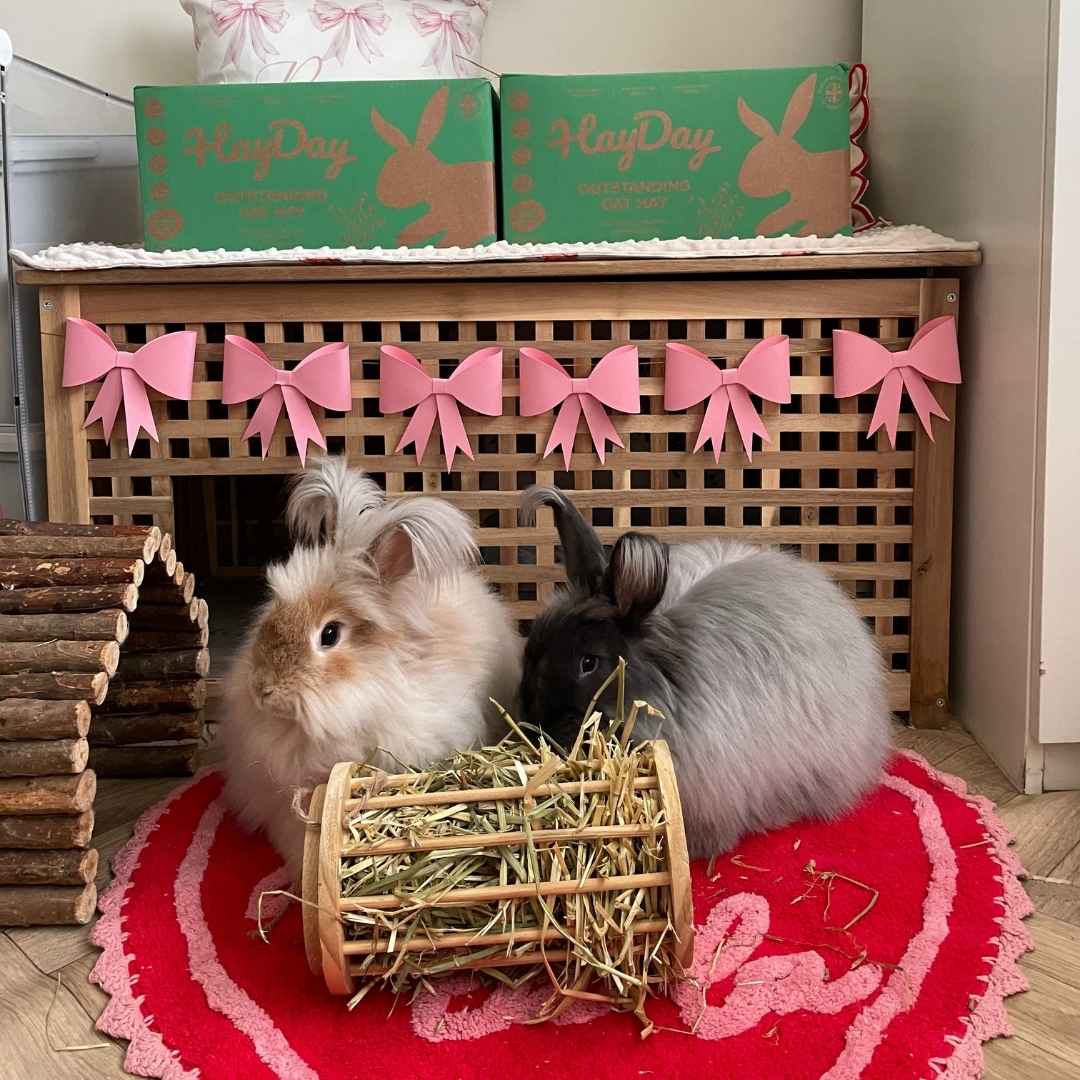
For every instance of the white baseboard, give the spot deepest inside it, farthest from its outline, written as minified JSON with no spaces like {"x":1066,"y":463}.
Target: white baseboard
{"x":1061,"y":767}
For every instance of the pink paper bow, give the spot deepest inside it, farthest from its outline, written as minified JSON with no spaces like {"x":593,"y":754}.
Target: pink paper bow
{"x":475,"y":383}
{"x":691,"y":377}
{"x":167,"y":364}
{"x":359,"y":22}
{"x":322,"y":377}
{"x":860,"y":362}
{"x":454,"y":38}
{"x":614,"y":382}
{"x":249,"y":20}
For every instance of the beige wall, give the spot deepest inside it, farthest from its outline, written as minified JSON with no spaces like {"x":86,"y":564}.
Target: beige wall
{"x":959,"y":143}
{"x":566,"y":36}
{"x":116,"y":44}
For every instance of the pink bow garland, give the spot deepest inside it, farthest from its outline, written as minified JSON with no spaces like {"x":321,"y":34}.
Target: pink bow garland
{"x":475,"y":383}
{"x":322,"y":377}
{"x":860,"y":362}
{"x":691,"y":377}
{"x":614,"y":382}
{"x":249,"y":20}
{"x":166,"y":363}
{"x":454,"y":37}
{"x":360,"y":22}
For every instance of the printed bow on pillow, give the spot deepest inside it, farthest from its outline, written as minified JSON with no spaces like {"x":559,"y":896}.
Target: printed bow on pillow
{"x":476,"y":383}
{"x":614,"y":383}
{"x":249,"y":21}
{"x":322,"y":377}
{"x":453,"y":41}
{"x":860,"y":362}
{"x":166,"y":363}
{"x":690,"y":377}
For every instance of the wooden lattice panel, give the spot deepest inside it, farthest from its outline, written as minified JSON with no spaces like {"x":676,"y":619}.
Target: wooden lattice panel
{"x":821,"y":488}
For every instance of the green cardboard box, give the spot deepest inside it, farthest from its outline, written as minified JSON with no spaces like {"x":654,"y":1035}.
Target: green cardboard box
{"x":310,"y":164}
{"x":703,"y":153}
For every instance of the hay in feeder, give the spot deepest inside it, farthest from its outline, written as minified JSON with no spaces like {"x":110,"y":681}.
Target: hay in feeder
{"x":519,"y":861}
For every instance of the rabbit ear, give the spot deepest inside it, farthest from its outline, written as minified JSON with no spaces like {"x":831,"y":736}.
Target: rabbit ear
{"x":423,"y":534}
{"x":754,"y":121}
{"x":387,"y":132}
{"x":583,"y":554}
{"x":431,"y":121}
{"x":393,"y":555}
{"x":327,"y":501}
{"x":798,"y":108}
{"x":637,"y":575}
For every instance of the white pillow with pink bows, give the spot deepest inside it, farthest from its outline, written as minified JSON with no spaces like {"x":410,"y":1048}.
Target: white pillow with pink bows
{"x":275,"y":41}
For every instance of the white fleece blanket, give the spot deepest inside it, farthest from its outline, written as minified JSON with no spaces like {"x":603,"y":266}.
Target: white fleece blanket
{"x":889,"y":239}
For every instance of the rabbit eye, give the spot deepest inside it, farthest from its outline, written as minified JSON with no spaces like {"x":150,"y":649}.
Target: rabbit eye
{"x":588,"y":664}
{"x":331,"y":634}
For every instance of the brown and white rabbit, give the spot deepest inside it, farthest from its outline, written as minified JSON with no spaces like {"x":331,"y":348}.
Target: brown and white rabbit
{"x":820,"y":201}
{"x":380,"y":643}
{"x":458,"y":195}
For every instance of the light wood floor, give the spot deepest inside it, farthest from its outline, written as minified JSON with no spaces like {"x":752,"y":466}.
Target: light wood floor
{"x":1047,"y":1018}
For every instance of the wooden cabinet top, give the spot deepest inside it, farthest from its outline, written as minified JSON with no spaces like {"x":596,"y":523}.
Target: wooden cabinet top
{"x":550,"y":269}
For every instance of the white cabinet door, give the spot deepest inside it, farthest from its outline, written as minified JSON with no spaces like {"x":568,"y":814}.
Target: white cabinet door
{"x":1059,"y":698}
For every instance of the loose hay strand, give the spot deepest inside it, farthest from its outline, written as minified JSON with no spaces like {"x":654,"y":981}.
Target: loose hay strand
{"x":589,"y":913}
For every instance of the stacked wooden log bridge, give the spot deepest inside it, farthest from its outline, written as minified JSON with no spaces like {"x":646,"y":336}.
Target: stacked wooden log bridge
{"x":103,"y":665}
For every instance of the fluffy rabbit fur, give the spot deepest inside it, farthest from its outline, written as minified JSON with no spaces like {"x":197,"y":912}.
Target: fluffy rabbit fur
{"x":380,"y":643}
{"x":772,"y":689}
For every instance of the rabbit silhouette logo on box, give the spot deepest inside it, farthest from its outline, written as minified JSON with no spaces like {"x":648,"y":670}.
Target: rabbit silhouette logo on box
{"x":458,"y":195}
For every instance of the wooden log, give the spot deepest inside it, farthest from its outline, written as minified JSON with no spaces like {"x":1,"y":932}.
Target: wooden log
{"x":174,"y":593}
{"x":108,"y":625}
{"x":147,"y":641}
{"x":23,"y":656}
{"x":48,"y":867}
{"x":80,"y":547}
{"x":25,"y":572}
{"x":187,"y":586}
{"x":126,"y":729}
{"x":166,"y":545}
{"x":47,"y":832}
{"x":27,"y":718}
{"x":48,"y":794}
{"x":69,"y":598}
{"x":173,"y":695}
{"x":43,"y":757}
{"x":56,"y":686}
{"x":119,"y":761}
{"x":164,"y":665}
{"x":47,"y":905}
{"x":164,"y":568}
{"x":12,"y":527}
{"x":173,"y":616}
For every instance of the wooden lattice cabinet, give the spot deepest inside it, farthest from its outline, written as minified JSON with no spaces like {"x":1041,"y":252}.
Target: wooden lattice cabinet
{"x":878,"y":518}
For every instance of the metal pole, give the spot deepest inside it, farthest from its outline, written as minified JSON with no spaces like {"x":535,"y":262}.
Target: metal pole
{"x":6,"y":56}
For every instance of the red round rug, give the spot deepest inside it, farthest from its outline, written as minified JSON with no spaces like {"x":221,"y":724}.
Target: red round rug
{"x":911,"y":988}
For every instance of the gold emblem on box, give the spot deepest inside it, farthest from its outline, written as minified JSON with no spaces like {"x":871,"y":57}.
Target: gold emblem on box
{"x":526,"y":216}
{"x":164,"y":224}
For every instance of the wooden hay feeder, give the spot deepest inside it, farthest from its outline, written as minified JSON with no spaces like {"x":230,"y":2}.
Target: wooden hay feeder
{"x":103,"y":662}
{"x":526,"y":857}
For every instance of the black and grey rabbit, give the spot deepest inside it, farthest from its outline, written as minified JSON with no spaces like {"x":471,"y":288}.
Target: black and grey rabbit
{"x":771,"y":688}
